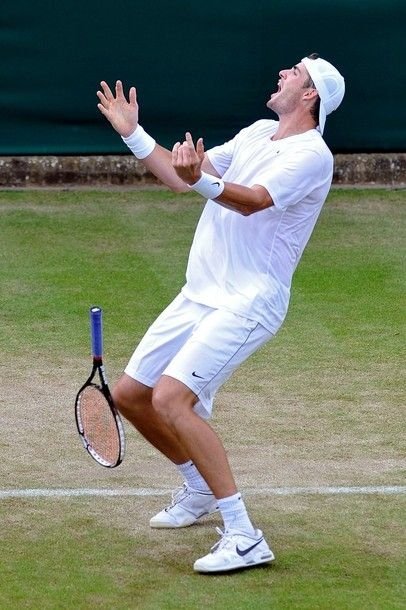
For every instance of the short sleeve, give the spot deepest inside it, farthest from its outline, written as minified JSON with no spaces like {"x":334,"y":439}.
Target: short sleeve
{"x":221,"y":156}
{"x":289,"y":181}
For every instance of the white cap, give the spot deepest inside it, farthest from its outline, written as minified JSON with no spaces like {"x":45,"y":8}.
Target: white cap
{"x":329,"y":84}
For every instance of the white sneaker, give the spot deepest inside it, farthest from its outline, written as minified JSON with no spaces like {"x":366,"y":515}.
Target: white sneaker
{"x":235,"y":550}
{"x":187,"y":506}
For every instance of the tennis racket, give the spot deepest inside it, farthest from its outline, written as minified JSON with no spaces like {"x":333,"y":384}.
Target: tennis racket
{"x":97,"y":419}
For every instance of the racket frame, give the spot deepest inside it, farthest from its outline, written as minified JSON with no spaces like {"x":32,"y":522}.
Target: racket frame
{"x":103,"y":387}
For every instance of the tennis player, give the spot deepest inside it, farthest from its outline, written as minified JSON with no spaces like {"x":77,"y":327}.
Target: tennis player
{"x":265,"y":189}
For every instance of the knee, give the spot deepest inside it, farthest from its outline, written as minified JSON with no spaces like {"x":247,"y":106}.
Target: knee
{"x":161,"y":404}
{"x":131,"y":397}
{"x":121,"y":398}
{"x":171,"y":400}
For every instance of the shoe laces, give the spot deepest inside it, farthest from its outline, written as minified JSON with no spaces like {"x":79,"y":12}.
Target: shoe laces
{"x":225,"y":542}
{"x":179,"y":494}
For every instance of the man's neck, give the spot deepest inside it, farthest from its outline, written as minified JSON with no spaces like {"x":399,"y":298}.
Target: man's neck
{"x":290,"y":125}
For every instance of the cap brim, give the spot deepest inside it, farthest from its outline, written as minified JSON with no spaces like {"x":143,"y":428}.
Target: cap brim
{"x":322,"y":117}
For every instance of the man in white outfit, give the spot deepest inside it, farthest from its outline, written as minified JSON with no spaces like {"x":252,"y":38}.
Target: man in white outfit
{"x":265,"y":189}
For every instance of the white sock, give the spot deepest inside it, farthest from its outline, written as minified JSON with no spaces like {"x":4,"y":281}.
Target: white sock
{"x":235,"y":514}
{"x":193,"y":477}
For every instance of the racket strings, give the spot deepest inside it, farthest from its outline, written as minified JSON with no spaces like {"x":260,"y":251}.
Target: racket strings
{"x":99,"y":425}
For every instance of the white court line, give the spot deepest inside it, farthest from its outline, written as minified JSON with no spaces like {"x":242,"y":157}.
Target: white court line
{"x":134,"y":491}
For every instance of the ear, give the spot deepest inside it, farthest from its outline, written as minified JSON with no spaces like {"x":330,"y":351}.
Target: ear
{"x":310,"y":94}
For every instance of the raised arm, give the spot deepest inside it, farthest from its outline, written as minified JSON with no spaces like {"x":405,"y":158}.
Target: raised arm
{"x":122,"y":113}
{"x":190,"y":164}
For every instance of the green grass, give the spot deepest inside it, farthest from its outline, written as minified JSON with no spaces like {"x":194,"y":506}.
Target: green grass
{"x":72,"y":249}
{"x":322,"y":404}
{"x":76,"y":562}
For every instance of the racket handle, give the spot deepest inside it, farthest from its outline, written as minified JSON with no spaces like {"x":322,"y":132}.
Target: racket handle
{"x":96,"y":331}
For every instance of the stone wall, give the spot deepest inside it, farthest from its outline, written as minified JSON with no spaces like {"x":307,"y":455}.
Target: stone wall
{"x":124,"y":170}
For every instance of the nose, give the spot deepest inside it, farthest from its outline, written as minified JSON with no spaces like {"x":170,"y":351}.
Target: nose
{"x":282,"y":73}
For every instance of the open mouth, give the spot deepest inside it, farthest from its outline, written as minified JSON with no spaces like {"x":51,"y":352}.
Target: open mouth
{"x":279,"y":87}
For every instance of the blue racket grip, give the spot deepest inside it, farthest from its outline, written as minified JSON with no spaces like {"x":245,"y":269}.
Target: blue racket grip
{"x":96,"y":331}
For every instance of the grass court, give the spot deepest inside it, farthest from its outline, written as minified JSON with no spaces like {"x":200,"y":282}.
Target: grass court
{"x":319,"y":408}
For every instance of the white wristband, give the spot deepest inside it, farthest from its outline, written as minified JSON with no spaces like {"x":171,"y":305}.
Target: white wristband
{"x":140,"y":143}
{"x":208,"y":186}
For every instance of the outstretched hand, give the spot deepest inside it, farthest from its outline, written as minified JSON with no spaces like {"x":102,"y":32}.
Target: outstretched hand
{"x":187,"y":159}
{"x":122,"y":114}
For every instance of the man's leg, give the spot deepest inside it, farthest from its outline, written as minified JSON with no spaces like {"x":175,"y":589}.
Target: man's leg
{"x":241,"y":545}
{"x":134,"y":400}
{"x":194,"y":499}
{"x":173,"y":403}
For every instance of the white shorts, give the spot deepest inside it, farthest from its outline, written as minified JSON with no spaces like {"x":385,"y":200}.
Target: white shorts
{"x":198,"y":345}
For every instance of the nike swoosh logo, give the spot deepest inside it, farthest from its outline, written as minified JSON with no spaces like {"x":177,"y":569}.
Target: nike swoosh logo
{"x":246,"y":551}
{"x":196,"y":375}
{"x":215,"y":183}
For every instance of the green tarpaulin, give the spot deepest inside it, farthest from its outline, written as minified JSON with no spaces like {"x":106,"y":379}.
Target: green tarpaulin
{"x":205,"y":66}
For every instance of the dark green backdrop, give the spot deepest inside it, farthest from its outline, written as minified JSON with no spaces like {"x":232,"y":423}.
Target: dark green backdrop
{"x":206,"y":65}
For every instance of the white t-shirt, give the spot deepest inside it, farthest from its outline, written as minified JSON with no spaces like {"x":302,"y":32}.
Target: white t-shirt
{"x":245,"y":264}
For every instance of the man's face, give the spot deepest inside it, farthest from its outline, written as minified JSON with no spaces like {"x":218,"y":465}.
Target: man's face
{"x":291,"y":85}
